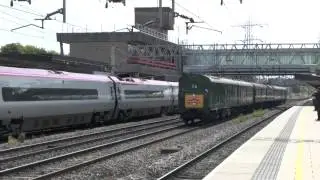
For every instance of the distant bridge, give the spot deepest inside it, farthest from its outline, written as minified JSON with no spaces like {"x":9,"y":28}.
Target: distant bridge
{"x":231,"y":59}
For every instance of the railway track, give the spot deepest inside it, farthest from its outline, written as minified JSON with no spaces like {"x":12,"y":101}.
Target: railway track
{"x":199,"y":166}
{"x":47,"y":132}
{"x":57,"y":164}
{"x":57,"y":142}
{"x":12,"y":154}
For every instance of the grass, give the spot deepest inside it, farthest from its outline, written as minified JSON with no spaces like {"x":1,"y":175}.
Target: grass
{"x":258,"y":113}
{"x":242,"y":118}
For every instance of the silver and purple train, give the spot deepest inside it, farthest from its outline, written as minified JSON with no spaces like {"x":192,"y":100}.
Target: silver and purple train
{"x":39,"y":99}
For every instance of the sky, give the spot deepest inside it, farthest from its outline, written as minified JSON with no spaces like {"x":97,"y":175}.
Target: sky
{"x":283,"y":21}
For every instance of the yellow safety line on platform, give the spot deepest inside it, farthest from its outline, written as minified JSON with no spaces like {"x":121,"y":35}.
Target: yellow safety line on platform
{"x":300,"y":153}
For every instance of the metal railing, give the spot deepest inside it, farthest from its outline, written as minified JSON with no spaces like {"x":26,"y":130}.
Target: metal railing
{"x":151,"y":32}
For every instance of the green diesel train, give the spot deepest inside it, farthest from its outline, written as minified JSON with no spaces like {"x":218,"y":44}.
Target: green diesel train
{"x":208,"y":97}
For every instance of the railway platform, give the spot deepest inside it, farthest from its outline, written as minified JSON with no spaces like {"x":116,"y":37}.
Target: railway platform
{"x":287,"y":148}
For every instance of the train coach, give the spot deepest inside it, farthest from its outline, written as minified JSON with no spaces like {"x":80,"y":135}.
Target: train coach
{"x":207,"y":97}
{"x":37,"y":99}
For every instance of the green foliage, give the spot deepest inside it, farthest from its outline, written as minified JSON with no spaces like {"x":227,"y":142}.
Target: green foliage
{"x":258,"y":113}
{"x":53,"y":52}
{"x":27,"y":49}
{"x":10,"y":48}
{"x":241,"y":118}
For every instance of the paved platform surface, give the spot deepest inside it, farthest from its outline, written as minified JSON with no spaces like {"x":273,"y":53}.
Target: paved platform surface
{"x":287,"y":149}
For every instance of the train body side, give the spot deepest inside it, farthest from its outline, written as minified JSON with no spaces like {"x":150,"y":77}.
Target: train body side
{"x":142,"y":98}
{"x":207,"y":97}
{"x":41,"y":99}
{"x":53,"y":102}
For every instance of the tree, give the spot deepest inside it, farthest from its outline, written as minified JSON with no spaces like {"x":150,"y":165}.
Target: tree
{"x":52,"y":52}
{"x":12,"y":48}
{"x":28,"y":49}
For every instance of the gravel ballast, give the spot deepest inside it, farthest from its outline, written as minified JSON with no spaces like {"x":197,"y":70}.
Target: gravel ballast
{"x":203,"y":167}
{"x":75,"y":159}
{"x":143,"y":163}
{"x":53,"y":153}
{"x":149,"y":163}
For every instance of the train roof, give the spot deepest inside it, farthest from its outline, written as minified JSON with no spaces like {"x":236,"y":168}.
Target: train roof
{"x":280,"y":87}
{"x":270,"y":86}
{"x":174,"y":83}
{"x":259,"y":85}
{"x":228,"y":81}
{"x":42,"y":73}
{"x":132,"y":80}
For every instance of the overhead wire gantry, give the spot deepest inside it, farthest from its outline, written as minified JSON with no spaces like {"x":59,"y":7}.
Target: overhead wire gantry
{"x":47,"y":17}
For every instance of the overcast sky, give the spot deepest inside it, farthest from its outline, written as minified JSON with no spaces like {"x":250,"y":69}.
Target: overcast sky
{"x":283,"y":21}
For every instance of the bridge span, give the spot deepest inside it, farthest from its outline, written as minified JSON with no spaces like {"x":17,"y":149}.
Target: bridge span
{"x":232,"y":59}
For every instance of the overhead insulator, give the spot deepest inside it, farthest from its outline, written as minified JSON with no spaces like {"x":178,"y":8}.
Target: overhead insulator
{"x":115,"y":1}
{"x":11,"y":2}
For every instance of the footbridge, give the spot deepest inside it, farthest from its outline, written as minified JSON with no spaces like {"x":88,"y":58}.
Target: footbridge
{"x":231,"y":59}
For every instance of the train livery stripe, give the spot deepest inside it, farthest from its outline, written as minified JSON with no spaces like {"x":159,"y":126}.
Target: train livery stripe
{"x":56,"y":77}
{"x":66,"y":77}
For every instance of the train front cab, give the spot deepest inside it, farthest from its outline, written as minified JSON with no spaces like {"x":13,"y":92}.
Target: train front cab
{"x":193,"y":97}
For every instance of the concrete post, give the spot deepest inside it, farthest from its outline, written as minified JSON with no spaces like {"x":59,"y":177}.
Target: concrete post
{"x":61,"y":49}
{"x":180,"y":61}
{"x":160,"y":15}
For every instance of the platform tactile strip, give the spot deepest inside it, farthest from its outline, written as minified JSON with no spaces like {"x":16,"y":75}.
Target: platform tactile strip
{"x":270,"y":164}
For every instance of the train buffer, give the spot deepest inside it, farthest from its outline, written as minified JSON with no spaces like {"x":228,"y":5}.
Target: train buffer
{"x":287,"y":148}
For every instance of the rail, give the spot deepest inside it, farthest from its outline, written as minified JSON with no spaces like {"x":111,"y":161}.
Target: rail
{"x":177,"y":170}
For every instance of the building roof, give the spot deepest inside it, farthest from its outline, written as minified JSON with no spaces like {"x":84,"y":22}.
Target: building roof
{"x":53,"y":62}
{"x":128,"y":37}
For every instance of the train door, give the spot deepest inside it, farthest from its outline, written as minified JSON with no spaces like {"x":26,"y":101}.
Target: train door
{"x":172,"y":96}
{"x":254,"y":90}
{"x":115,"y":96}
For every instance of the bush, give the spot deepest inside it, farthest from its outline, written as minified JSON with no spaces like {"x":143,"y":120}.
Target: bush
{"x":17,"y":48}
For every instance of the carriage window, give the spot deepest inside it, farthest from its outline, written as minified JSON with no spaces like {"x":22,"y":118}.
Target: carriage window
{"x":47,"y":94}
{"x":132,"y":94}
